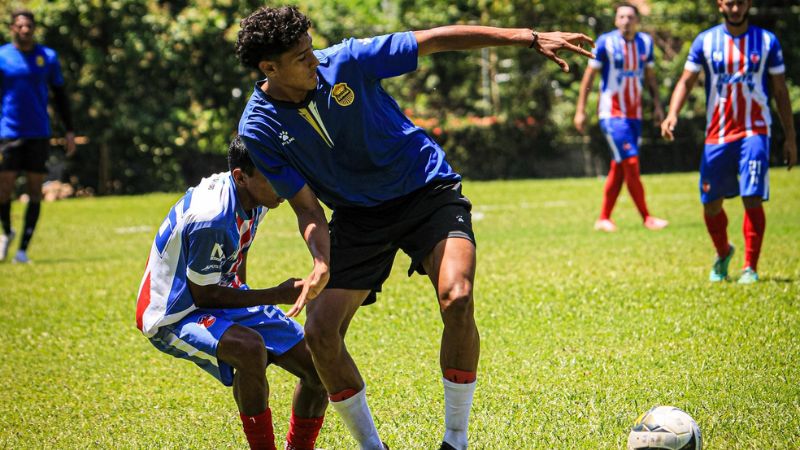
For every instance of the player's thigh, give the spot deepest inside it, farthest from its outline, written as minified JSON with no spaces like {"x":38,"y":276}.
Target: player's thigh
{"x":279,"y":334}
{"x":332,"y":311}
{"x":719,"y":171}
{"x":297,"y":361}
{"x":451,"y":267}
{"x":240,"y":345}
{"x":36,"y":152}
{"x":7,"y":178}
{"x":623,"y":137}
{"x":754,"y":167}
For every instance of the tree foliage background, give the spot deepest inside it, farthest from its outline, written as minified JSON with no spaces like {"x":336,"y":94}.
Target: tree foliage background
{"x":157,"y":89}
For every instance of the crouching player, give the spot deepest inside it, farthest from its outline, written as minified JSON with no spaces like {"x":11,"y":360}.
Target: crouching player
{"x":194,"y":304}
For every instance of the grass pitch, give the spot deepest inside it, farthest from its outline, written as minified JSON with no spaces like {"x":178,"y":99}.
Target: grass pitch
{"x":580,"y":331}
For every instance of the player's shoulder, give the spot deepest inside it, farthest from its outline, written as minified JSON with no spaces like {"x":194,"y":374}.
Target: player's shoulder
{"x":259,"y":115}
{"x":605,"y":37}
{"x":645,"y":37}
{"x":211,"y":201}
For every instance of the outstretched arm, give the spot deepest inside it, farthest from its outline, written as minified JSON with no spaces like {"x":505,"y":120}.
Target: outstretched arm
{"x":682,"y":89}
{"x":583,"y":94}
{"x":221,"y":297}
{"x":467,"y":37}
{"x":314,"y":229}
{"x":781,"y":93}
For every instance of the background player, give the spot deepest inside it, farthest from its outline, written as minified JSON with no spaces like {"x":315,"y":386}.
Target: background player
{"x":625,"y":59}
{"x":321,"y":126}
{"x":26,"y":70}
{"x":743,"y":65}
{"x":194,"y":304}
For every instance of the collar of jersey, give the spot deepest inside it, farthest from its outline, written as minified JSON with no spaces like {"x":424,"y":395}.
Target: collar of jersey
{"x":283,"y":103}
{"x":239,"y":210}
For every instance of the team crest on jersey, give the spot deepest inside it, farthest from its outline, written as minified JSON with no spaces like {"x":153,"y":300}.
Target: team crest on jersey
{"x":706,"y":186}
{"x":716,"y":56}
{"x":40,"y":61}
{"x":207,"y":320}
{"x":755,"y":58}
{"x":343,"y":95}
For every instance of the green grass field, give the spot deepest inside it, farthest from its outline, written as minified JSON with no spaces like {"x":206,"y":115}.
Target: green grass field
{"x":581,"y":331}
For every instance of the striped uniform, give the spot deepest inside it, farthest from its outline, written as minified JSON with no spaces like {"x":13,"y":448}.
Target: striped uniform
{"x":203,"y":240}
{"x":622,"y":65}
{"x":737,"y":117}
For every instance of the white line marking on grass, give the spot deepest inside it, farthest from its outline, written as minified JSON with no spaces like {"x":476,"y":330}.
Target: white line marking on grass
{"x":133,"y":230}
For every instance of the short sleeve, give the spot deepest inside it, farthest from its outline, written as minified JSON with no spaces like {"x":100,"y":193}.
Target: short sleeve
{"x":775,"y":64}
{"x":385,"y":56}
{"x":600,"y":54}
{"x":205,"y":256}
{"x":696,"y":59}
{"x":286,"y":181}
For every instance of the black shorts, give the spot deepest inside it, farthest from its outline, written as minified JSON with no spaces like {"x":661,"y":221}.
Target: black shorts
{"x":364,"y":241}
{"x":29,"y":155}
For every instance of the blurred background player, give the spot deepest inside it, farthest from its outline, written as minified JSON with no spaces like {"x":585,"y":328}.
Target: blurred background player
{"x":624,"y":58}
{"x":743,"y":65}
{"x":26,"y":71}
{"x":194,"y":304}
{"x":320,"y":126}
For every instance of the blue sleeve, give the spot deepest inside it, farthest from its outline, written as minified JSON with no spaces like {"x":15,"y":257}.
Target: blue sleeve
{"x":775,"y":63}
{"x":696,"y":59}
{"x":55,"y":77}
{"x":651,"y":51}
{"x":207,"y":251}
{"x":385,"y":56}
{"x":600,"y":53}
{"x":286,"y":181}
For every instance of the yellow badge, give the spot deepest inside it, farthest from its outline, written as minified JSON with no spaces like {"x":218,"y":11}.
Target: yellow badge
{"x":343,"y":95}
{"x":40,"y":61}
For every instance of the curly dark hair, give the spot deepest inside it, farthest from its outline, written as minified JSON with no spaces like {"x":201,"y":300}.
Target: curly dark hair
{"x":238,"y":156}
{"x":269,"y":32}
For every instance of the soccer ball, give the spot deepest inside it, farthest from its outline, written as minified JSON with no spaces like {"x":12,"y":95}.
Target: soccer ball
{"x":665,"y":427}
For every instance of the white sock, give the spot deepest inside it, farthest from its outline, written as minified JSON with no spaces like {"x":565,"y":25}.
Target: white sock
{"x":355,"y":414}
{"x":457,"y":403}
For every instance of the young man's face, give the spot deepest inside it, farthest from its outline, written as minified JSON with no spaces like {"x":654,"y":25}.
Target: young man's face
{"x":260,"y":190}
{"x":296,"y":68}
{"x":734,"y":11}
{"x":626,"y":19}
{"x":22,"y":30}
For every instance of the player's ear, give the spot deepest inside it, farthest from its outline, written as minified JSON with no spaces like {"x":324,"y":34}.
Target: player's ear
{"x":268,"y":68}
{"x":238,"y":176}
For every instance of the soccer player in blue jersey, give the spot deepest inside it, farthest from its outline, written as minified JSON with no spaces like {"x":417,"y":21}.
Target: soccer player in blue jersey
{"x":321,"y":128}
{"x":743,"y":67}
{"x":193,"y":302}
{"x":624,"y":58}
{"x":26,"y":71}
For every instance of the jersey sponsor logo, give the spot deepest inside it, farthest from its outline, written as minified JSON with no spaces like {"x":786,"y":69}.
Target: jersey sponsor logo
{"x":285,"y":138}
{"x":207,"y":320}
{"x":40,"y":61}
{"x":343,"y":95}
{"x":216,"y":253}
{"x":365,"y":41}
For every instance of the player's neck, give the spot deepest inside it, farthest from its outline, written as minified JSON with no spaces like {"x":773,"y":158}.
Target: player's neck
{"x":284,"y":94}
{"x":629,"y":35}
{"x":736,"y":29}
{"x":24,"y":46}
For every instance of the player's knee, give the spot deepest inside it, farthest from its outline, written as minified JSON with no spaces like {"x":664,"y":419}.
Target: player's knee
{"x":245,"y":349}
{"x":321,"y":338}
{"x":456,"y":300}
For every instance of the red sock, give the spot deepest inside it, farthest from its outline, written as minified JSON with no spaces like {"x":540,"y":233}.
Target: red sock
{"x":755,"y":223}
{"x":342,"y":395}
{"x":303,"y":432}
{"x":717,"y":227}
{"x":460,"y":376}
{"x":258,"y":430}
{"x":611,"y":189}
{"x":634,"y":182}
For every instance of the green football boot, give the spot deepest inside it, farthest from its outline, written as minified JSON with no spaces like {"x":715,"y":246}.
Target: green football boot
{"x":719,"y":271}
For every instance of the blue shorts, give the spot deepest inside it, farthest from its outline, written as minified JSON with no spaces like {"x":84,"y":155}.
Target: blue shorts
{"x":736,"y":168}
{"x":623,"y":135}
{"x":196,"y":336}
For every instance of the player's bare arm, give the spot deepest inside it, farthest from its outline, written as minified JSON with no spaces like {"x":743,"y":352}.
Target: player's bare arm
{"x":583,"y":93}
{"x":221,"y":297}
{"x":467,"y":37}
{"x":314,"y":229}
{"x":679,"y":95}
{"x":652,"y":86}
{"x":781,"y":94}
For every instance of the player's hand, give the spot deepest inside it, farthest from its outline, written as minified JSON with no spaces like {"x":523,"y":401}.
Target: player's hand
{"x":70,"y":143}
{"x":550,"y":43}
{"x":668,"y":127}
{"x":790,"y":152}
{"x":312,"y":285}
{"x":580,"y":121}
